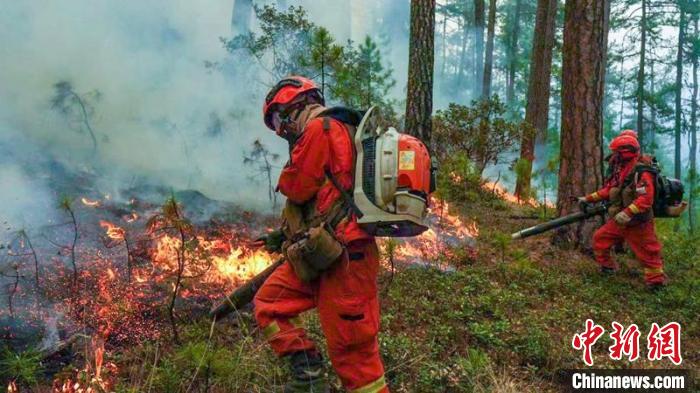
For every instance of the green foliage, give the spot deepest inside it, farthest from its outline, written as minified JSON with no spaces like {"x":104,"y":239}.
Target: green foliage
{"x":362,"y":79}
{"x":65,"y":203}
{"x":325,"y":58}
{"x":285,"y":37}
{"x":288,"y":43}
{"x":458,"y":178}
{"x":481,"y":131}
{"x":21,"y":367}
{"x":502,"y":241}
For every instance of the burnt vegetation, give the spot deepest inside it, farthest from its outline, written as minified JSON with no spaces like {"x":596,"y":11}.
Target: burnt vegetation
{"x":114,"y":296}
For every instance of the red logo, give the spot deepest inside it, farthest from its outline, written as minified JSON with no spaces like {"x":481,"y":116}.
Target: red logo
{"x":662,"y":342}
{"x":665,"y":342}
{"x":584,"y":341}
{"x":626,"y":342}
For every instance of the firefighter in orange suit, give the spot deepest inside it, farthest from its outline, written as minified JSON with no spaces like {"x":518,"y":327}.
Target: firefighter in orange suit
{"x":631,"y":194}
{"x":345,"y":294}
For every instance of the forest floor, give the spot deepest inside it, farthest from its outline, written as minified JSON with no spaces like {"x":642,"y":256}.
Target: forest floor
{"x":500,"y":322}
{"x":500,"y":319}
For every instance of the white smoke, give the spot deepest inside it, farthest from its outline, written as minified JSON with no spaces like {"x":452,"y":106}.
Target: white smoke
{"x":157,"y":99}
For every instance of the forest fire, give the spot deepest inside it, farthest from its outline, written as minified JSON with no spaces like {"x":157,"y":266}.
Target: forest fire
{"x":226,"y":263}
{"x":96,"y":376}
{"x":447,"y":231}
{"x":113,"y":231}
{"x":500,"y":191}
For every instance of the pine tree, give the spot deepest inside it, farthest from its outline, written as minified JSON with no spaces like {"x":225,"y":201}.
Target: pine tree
{"x":694,"y":54}
{"x":583,"y":80}
{"x":362,"y":80}
{"x":679,"y":90}
{"x":323,"y":58}
{"x":512,"y":53}
{"x":537,"y":111}
{"x":479,"y":23}
{"x":488,"y":61}
{"x":419,"y":96}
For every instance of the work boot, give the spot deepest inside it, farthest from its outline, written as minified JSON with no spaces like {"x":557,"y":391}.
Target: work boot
{"x":307,"y":373}
{"x":607,"y":271}
{"x":656,"y":287}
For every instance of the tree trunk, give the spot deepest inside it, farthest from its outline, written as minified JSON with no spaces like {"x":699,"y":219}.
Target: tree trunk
{"x":419,"y":95}
{"x":462,"y":56}
{"x":679,"y":90}
{"x":583,"y":87}
{"x":479,"y":7}
{"x":652,"y":109}
{"x":513,"y":53}
{"x":640,"y":76}
{"x":537,"y":110}
{"x":444,"y":46}
{"x":240,"y":17}
{"x":693,"y":133}
{"x":488,"y":62}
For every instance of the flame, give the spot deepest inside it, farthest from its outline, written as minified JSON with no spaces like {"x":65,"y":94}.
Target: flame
{"x":229,"y":264}
{"x":88,"y":202}
{"x":113,"y":231}
{"x":446,"y":231}
{"x":503,"y":193}
{"x":96,"y":376}
{"x":12,"y":387}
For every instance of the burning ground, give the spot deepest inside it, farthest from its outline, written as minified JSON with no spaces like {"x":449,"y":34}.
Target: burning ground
{"x":465,"y":309}
{"x":116,"y":273}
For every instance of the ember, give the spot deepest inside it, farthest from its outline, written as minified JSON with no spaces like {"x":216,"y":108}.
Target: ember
{"x":113,"y":231}
{"x":88,"y":202}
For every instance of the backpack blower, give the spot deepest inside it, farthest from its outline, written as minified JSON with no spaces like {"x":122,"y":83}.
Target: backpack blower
{"x":394,"y":177}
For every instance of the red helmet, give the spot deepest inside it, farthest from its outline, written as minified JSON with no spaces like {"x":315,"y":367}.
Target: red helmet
{"x":285,"y":92}
{"x":625,"y":141}
{"x":629,"y":133}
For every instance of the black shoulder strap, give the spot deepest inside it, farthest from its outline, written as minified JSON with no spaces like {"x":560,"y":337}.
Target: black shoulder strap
{"x":343,"y":114}
{"x":346,"y":196}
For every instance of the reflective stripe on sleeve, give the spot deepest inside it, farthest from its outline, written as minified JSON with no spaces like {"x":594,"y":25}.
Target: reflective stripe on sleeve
{"x":634,"y":209}
{"x":653,"y":270}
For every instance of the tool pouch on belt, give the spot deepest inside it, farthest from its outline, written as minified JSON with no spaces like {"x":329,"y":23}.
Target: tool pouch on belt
{"x":311,"y":247}
{"x":314,"y":253}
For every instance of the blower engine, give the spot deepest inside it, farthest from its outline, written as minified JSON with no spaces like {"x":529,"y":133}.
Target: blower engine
{"x":394,"y":176}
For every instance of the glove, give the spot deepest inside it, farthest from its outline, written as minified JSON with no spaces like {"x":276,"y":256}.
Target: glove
{"x":582,"y":202}
{"x":622,"y":218}
{"x":273,"y":241}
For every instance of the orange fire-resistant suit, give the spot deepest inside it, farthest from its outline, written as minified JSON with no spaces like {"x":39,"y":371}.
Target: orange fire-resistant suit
{"x":634,"y":194}
{"x":346,"y":294}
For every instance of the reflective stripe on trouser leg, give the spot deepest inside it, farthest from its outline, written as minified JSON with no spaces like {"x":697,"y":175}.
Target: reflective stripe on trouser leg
{"x":372,"y":387}
{"x":281,"y":296}
{"x":349,"y":314}
{"x":271,"y":330}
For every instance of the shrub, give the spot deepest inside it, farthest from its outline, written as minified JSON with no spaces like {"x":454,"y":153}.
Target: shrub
{"x":480,"y":131}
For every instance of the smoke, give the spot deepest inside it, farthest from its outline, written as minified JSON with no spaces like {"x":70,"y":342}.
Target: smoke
{"x":158,"y":114}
